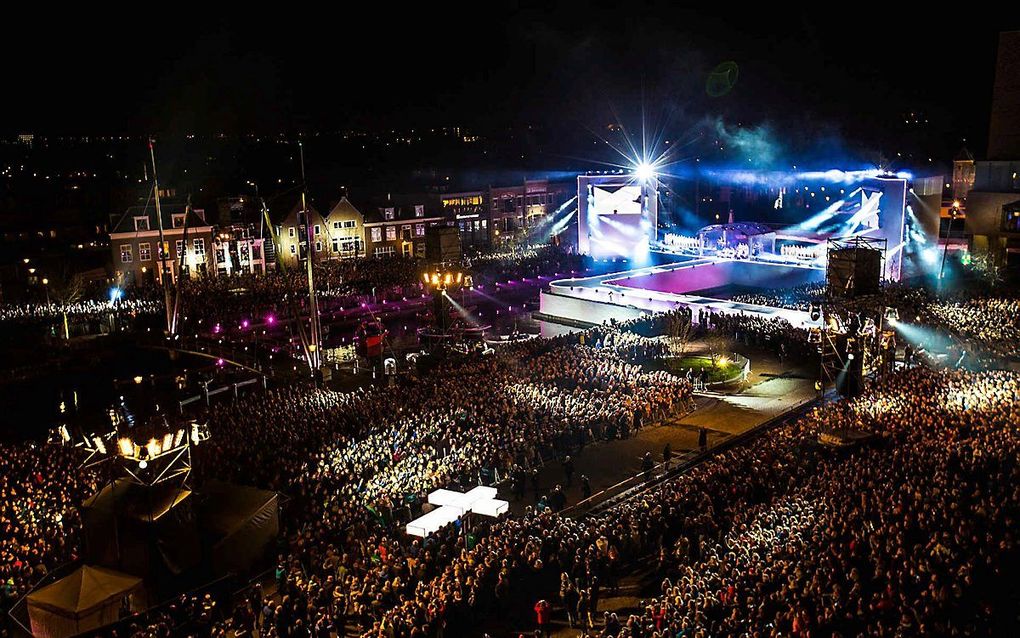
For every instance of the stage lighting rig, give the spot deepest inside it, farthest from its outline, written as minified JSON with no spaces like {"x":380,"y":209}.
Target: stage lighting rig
{"x":96,"y":447}
{"x":450,"y":320}
{"x":443,"y":280}
{"x":150,"y":454}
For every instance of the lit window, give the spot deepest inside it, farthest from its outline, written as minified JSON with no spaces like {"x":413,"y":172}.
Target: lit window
{"x":125,"y":254}
{"x":391,"y":233}
{"x":144,"y":252}
{"x":377,"y":234}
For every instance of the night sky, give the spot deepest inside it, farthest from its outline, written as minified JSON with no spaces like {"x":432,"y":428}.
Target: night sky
{"x":850,"y":74}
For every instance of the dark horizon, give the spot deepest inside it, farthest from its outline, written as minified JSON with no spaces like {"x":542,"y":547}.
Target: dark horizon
{"x":566,"y":69}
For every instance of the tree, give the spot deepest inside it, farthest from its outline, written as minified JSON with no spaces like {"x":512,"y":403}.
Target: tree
{"x":68,"y":291}
{"x":716,"y":343}
{"x":678,"y":334}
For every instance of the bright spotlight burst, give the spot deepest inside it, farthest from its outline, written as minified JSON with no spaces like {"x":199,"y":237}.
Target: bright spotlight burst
{"x":644,"y":171}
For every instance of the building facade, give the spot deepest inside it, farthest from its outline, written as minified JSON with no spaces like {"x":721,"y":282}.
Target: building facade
{"x":514,"y":210}
{"x":397,"y":228}
{"x":293,"y":233}
{"x":1004,"y":125}
{"x":993,"y":211}
{"x":340,"y":234}
{"x":993,"y":203}
{"x":468,"y":212}
{"x":236,"y":251}
{"x":346,"y":228}
{"x":136,"y":251}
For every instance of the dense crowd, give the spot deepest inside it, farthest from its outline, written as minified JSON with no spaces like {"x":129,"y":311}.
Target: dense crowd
{"x":355,"y":465}
{"x":913,"y":537}
{"x":793,"y":298}
{"x":342,"y":283}
{"x":992,"y":324}
{"x":530,"y":261}
{"x":40,"y":491}
{"x":981,"y":321}
{"x":909,"y":536}
{"x":77,"y":311}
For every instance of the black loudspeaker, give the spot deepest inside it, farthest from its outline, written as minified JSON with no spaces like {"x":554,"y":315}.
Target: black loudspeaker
{"x":853,"y":271}
{"x":442,"y":244}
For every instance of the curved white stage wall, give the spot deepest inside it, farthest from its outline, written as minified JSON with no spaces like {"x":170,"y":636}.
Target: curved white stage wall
{"x":632,"y":293}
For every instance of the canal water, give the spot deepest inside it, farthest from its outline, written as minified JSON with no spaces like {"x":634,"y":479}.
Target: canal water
{"x":79,"y":388}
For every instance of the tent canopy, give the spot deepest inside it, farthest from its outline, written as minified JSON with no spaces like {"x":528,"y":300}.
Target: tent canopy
{"x":240,"y":525}
{"x":229,"y":508}
{"x":83,"y":591}
{"x":136,"y":501}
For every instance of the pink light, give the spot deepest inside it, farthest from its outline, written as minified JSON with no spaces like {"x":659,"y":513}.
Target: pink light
{"x":219,"y":362}
{"x":270,"y":319}
{"x":244,"y":324}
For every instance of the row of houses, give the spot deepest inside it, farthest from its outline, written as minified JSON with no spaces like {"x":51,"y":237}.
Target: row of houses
{"x":244,"y":240}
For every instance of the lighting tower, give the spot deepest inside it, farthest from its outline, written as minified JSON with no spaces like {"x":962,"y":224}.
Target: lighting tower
{"x":441,"y":281}
{"x":148,"y":455}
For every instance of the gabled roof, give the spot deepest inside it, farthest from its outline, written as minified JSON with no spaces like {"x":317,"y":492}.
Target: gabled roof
{"x":963,"y":155}
{"x":293,"y":211}
{"x":344,"y":207}
{"x":125,"y":222}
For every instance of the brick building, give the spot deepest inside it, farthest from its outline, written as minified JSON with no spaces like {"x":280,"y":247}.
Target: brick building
{"x":135,"y":246}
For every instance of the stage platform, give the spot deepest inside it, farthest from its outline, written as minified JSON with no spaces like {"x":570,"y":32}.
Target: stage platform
{"x":633,"y":293}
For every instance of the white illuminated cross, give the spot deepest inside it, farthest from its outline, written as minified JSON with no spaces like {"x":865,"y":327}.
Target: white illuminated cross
{"x":452,"y":505}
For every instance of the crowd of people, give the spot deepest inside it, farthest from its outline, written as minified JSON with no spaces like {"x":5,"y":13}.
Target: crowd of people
{"x":341,"y":283}
{"x":532,"y":261}
{"x":992,"y":324}
{"x":911,"y":537}
{"x":355,"y":465}
{"x":40,"y":491}
{"x":793,"y":298}
{"x":907,"y":536}
{"x":87,"y":309}
{"x":986,"y":321}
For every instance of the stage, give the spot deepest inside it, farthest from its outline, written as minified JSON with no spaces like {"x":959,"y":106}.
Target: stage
{"x":641,"y":291}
